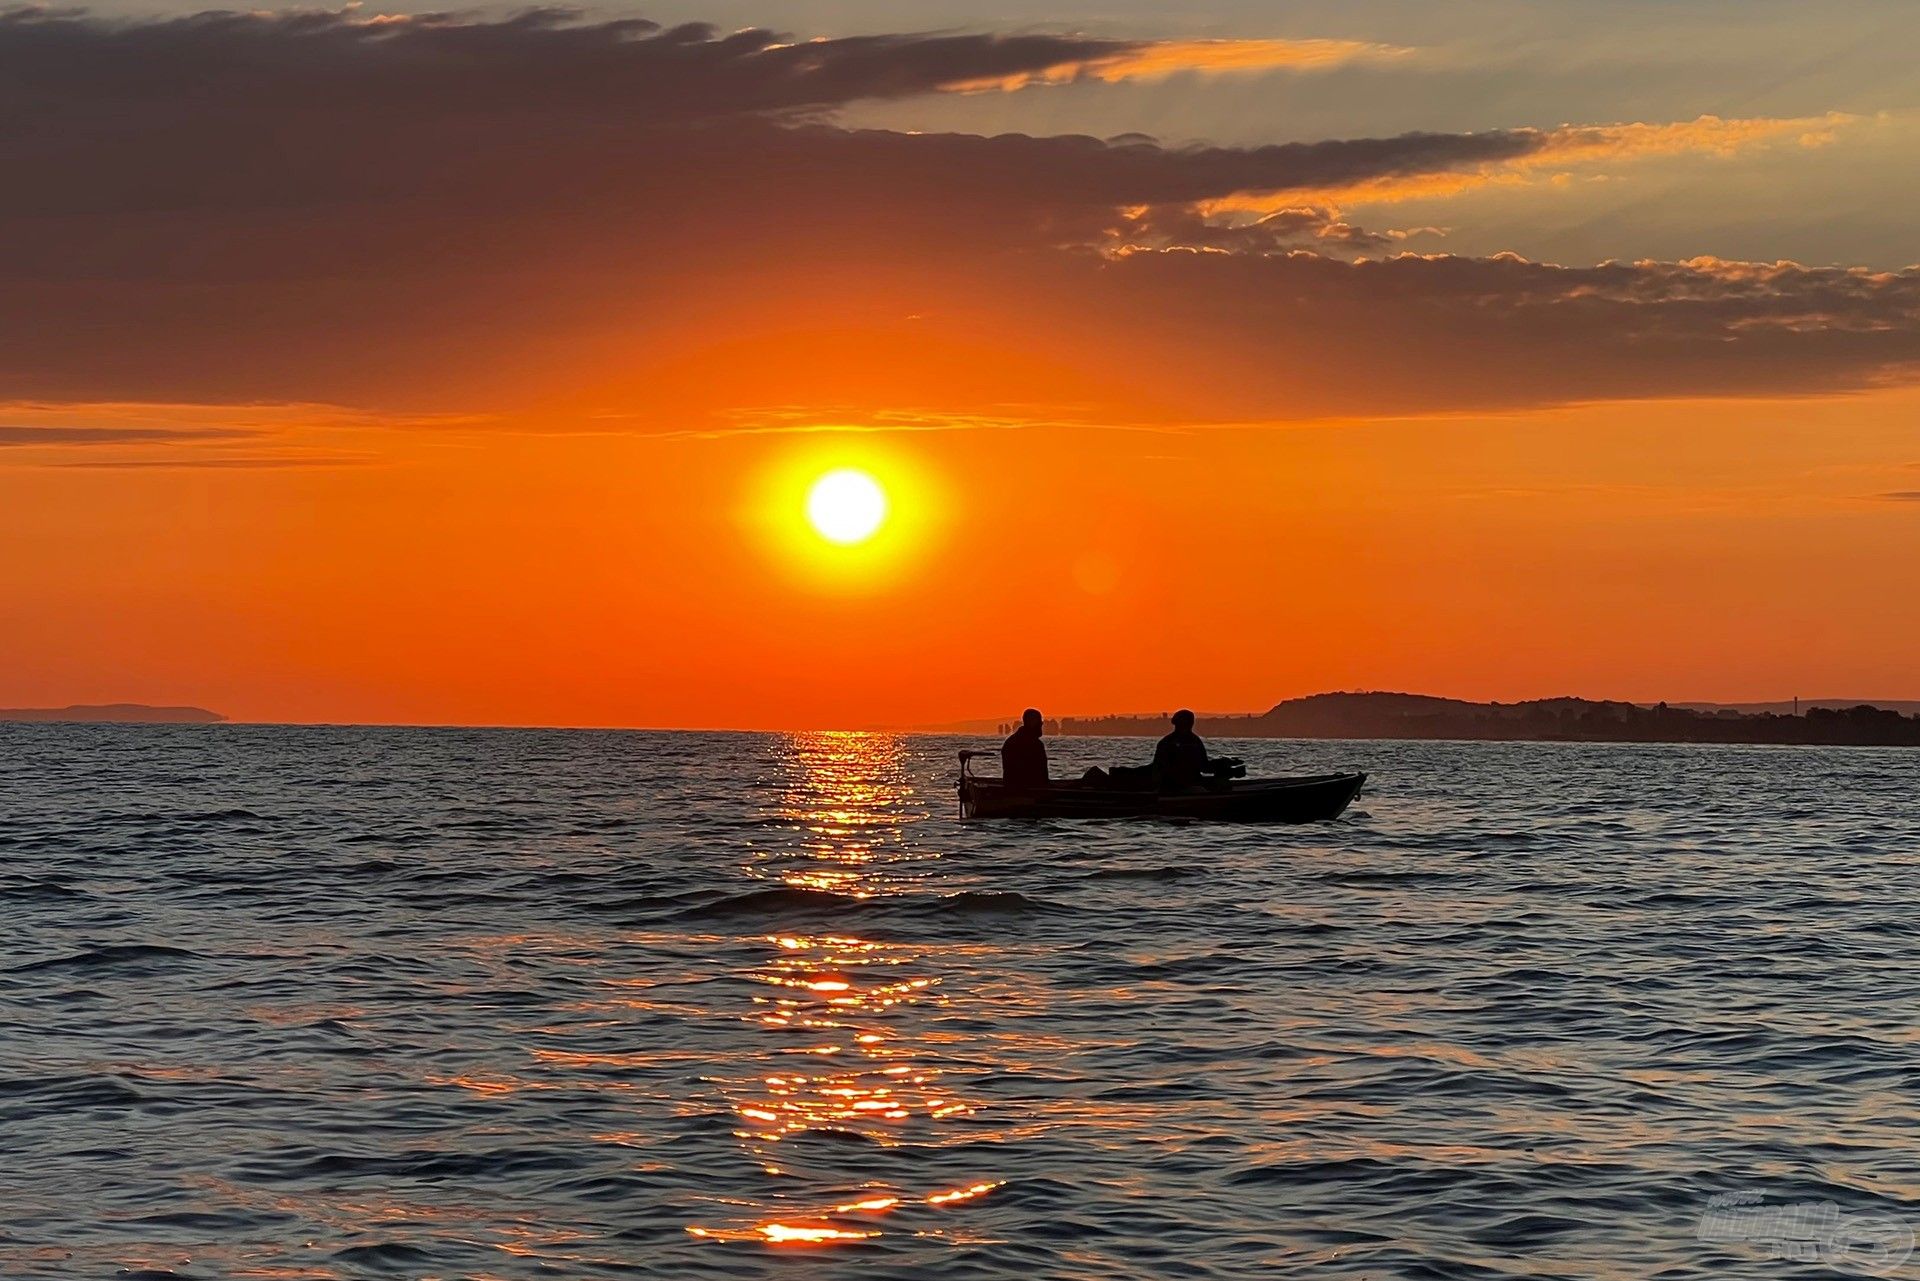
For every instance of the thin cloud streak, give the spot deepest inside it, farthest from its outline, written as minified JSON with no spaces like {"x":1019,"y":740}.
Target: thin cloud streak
{"x":1158,"y":60}
{"x":1570,"y":147}
{"x":30,"y":437}
{"x":274,"y":463}
{"x":825,"y":424}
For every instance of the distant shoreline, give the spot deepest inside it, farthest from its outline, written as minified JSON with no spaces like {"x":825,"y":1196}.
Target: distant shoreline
{"x":1334,"y":716}
{"x":1419,"y":717}
{"x":112,"y":714}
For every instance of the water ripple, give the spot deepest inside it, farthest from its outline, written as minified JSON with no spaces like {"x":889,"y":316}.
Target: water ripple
{"x":346,"y":1003}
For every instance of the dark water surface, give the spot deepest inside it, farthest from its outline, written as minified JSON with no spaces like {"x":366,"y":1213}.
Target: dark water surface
{"x":330,"y":1003}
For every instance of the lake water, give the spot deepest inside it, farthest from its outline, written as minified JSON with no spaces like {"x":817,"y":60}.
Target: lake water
{"x":333,"y":1003}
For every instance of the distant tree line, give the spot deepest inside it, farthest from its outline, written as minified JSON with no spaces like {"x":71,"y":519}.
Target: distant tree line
{"x":1412,"y":716}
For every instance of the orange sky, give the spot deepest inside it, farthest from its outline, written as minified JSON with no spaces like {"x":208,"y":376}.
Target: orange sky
{"x":1721,"y":550}
{"x":506,"y":414}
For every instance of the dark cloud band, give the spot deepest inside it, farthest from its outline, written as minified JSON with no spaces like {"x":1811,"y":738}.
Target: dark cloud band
{"x":432,"y":211}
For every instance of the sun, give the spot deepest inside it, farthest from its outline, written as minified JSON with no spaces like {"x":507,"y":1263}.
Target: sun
{"x":846,"y":506}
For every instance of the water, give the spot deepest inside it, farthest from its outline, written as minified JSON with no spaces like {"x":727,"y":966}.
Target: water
{"x":332,"y":1003}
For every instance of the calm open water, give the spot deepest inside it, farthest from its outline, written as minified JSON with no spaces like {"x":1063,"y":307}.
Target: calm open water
{"x":331,"y":1003}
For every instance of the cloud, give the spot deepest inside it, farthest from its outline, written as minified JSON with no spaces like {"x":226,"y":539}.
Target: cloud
{"x":1184,"y":337}
{"x":779,"y":420}
{"x":544,"y":60}
{"x":219,"y":463}
{"x":126,"y":420}
{"x":314,"y":112}
{"x":1282,"y":231}
{"x":18,"y":436}
{"x":1569,"y":147}
{"x":1903,"y":496}
{"x":550,"y":217}
{"x":117,"y":436}
{"x":1159,"y":59}
{"x":1708,"y":135}
{"x":1300,"y":335}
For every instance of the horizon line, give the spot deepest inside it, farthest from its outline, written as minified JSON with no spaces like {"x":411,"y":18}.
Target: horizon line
{"x":924,"y":729}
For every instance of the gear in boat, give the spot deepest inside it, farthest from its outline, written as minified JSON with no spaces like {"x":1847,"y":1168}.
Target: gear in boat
{"x":1184,"y":781}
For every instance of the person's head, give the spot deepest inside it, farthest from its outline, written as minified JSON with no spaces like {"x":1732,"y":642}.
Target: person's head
{"x":1032,"y":720}
{"x":1183,"y":721}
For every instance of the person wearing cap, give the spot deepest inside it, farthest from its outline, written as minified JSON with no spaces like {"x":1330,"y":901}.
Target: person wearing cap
{"x":1023,"y":757}
{"x":1180,"y":760}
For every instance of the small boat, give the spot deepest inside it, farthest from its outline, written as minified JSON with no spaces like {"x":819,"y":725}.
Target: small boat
{"x":1308,"y":799}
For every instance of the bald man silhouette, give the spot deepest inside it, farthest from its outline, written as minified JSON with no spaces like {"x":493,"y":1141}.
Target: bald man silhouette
{"x":1023,"y":757}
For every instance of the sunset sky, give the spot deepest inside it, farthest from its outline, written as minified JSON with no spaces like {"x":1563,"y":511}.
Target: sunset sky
{"x":369,"y":365}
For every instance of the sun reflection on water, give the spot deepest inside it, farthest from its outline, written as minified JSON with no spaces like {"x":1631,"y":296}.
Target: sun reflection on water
{"x":874,"y":1076}
{"x":849,"y":1011}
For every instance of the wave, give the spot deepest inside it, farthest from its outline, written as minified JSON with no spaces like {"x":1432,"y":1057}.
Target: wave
{"x":384,"y":1254}
{"x":42,"y":891}
{"x":139,"y":955}
{"x":231,"y":815}
{"x":982,"y":903}
{"x":301,"y":1165}
{"x":202,"y":1221}
{"x":789,"y":900}
{"x":1388,"y":879}
{"x":773,"y":902}
{"x":59,"y":1095}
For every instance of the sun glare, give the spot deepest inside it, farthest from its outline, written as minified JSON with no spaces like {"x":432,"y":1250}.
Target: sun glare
{"x":846,"y":506}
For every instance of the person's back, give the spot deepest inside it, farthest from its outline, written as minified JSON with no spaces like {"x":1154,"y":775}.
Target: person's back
{"x":1180,"y":759}
{"x":1023,"y":757}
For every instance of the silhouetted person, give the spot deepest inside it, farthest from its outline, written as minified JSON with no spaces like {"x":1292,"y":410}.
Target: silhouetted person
{"x":1023,"y":757}
{"x":1180,"y":760}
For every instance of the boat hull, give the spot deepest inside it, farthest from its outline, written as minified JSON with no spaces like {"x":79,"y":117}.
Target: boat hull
{"x":1281,"y":800}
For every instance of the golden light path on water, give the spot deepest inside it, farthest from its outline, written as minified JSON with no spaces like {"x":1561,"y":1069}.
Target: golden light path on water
{"x":850,"y":1013}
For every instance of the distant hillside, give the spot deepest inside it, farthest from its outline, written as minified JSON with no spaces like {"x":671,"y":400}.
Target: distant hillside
{"x":1421,"y":716}
{"x":115,"y":713}
{"x":1785,"y":707}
